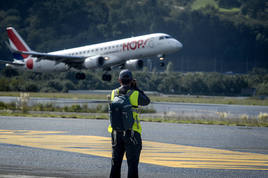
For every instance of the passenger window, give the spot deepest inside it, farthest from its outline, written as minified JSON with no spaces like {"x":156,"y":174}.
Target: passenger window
{"x":161,"y":37}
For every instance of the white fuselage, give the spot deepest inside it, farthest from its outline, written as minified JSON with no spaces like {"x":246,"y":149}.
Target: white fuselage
{"x":118,"y":51}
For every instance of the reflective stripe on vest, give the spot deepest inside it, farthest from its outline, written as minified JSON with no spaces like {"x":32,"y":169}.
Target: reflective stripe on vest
{"x":133,"y":98}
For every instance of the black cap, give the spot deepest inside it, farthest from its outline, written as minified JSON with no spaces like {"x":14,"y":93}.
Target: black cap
{"x":125,"y":75}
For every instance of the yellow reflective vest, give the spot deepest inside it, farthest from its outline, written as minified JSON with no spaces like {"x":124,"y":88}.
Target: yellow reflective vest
{"x":133,"y":98}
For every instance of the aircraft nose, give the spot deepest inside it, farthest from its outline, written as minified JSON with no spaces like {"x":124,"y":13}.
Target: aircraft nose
{"x":178,"y":45}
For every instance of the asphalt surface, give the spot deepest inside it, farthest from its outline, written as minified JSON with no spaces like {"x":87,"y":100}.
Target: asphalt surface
{"x":18,"y":158}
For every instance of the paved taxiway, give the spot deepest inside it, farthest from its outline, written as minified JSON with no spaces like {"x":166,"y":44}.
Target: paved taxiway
{"x":81,"y":148}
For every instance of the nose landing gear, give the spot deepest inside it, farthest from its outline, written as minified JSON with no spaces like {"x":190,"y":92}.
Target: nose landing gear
{"x":162,"y":64}
{"x":161,"y":58}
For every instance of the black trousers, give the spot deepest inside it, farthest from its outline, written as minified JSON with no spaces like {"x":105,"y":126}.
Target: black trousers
{"x":131,"y":143}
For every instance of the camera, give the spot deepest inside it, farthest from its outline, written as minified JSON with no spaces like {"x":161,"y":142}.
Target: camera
{"x":133,"y":83}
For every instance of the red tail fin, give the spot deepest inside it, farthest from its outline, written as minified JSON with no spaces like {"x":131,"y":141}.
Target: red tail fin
{"x":17,"y":42}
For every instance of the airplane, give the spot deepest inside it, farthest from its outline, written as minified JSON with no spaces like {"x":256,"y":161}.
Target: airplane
{"x":125,"y":54}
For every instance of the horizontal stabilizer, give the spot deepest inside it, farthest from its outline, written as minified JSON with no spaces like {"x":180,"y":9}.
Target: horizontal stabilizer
{"x":11,"y":63}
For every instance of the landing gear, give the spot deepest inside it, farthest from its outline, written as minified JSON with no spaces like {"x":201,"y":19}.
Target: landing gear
{"x":162,"y":64}
{"x":107,"y":77}
{"x":161,"y":58}
{"x":80,"y":76}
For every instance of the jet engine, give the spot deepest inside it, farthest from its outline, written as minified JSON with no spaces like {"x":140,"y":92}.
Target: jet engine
{"x":133,"y":64}
{"x":94,"y":62}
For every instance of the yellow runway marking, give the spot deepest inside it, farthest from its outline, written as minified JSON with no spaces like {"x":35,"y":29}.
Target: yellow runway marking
{"x":156,"y":153}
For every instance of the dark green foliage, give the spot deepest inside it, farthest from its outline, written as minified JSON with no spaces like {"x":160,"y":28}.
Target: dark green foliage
{"x":7,"y":106}
{"x":214,"y":39}
{"x":229,"y":3}
{"x":8,"y":72}
{"x":255,"y":8}
{"x":195,"y":83}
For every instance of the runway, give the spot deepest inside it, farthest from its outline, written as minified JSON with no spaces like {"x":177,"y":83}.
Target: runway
{"x":81,"y":148}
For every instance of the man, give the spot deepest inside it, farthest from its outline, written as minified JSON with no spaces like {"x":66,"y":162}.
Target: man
{"x":127,"y":141}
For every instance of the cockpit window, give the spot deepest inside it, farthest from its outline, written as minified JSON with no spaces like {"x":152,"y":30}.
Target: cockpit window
{"x":161,"y":37}
{"x":164,"y":37}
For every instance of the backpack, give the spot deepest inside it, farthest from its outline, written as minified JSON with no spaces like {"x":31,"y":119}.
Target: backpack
{"x":121,"y":115}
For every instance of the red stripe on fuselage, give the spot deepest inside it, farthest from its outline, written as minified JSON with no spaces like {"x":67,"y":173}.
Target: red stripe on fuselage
{"x":16,"y":41}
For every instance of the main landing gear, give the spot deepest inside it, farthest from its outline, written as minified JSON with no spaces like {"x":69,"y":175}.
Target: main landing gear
{"x":107,"y":77}
{"x":80,"y":76}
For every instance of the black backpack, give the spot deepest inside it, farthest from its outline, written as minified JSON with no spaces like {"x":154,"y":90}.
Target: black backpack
{"x":121,"y":115}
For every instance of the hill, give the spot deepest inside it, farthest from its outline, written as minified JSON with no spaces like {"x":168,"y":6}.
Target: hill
{"x":218,"y":35}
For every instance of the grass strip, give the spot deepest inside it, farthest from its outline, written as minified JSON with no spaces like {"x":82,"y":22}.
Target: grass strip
{"x":55,"y":115}
{"x":57,"y":95}
{"x":213,"y":100}
{"x":253,"y":122}
{"x":165,"y":98}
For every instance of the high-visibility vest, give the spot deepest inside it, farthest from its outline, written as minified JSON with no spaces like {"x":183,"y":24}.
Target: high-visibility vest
{"x":133,"y":98}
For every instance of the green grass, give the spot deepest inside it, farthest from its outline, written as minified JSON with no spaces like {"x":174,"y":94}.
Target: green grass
{"x":253,"y":122}
{"x":100,"y":108}
{"x":232,"y":10}
{"x":212,"y":100}
{"x":54,"y":115}
{"x":197,"y":4}
{"x":170,"y":98}
{"x":56,"y":95}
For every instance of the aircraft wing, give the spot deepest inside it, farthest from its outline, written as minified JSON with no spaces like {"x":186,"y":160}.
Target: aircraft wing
{"x":71,"y":61}
{"x":55,"y":57}
{"x":78,"y":62}
{"x":11,"y":63}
